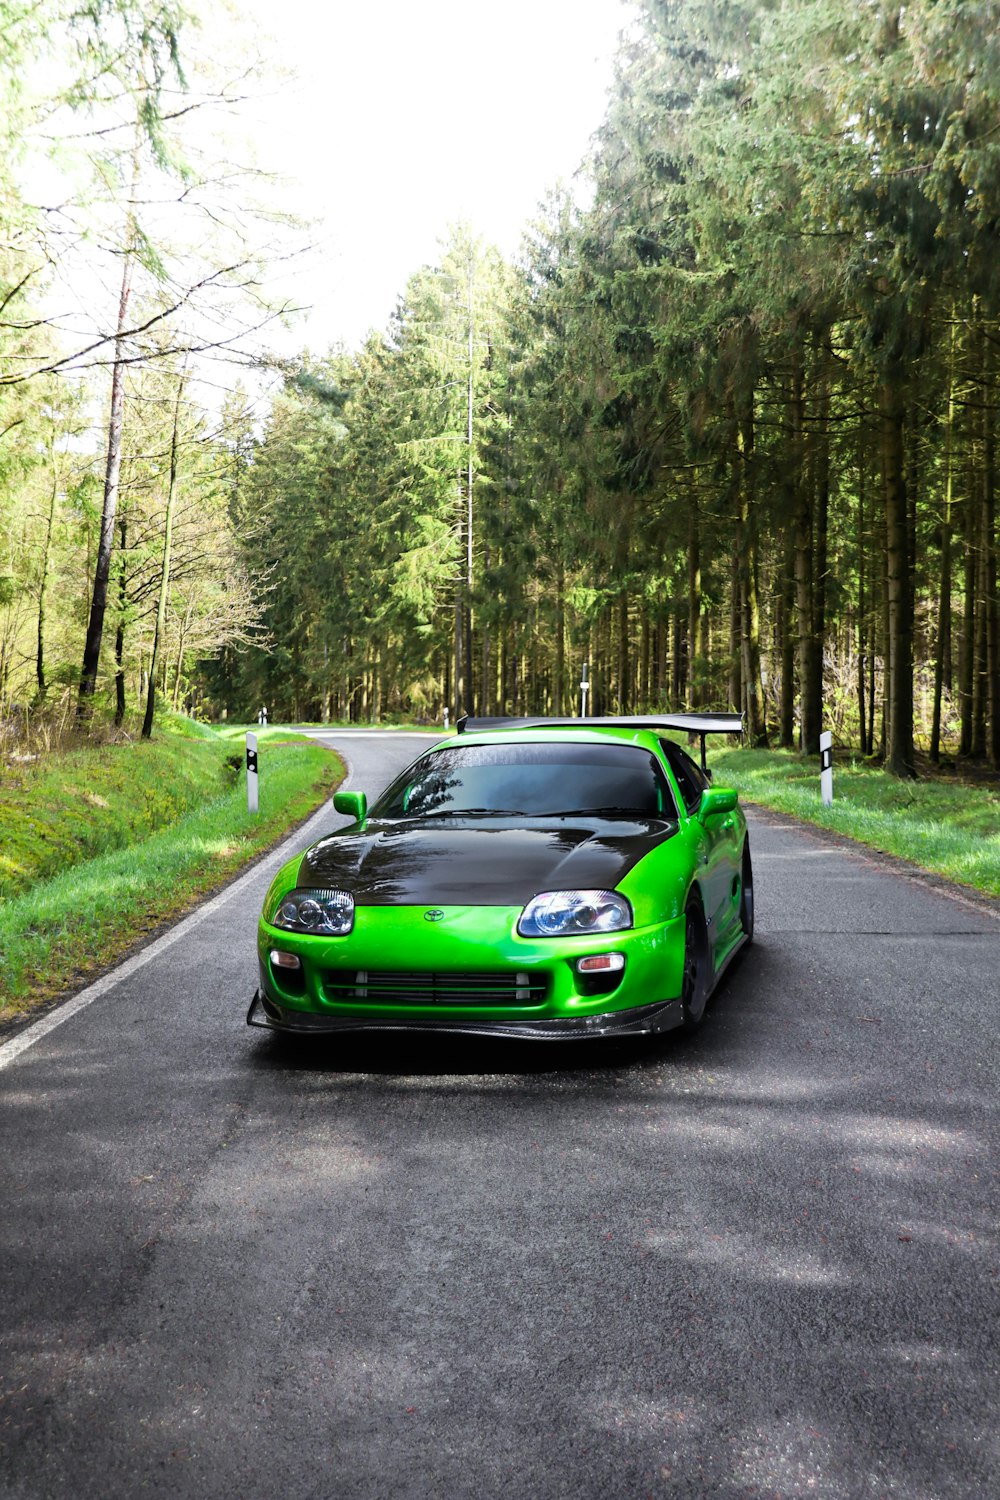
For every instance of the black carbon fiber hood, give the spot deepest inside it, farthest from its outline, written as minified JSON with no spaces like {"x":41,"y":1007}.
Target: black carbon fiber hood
{"x":479,"y":862}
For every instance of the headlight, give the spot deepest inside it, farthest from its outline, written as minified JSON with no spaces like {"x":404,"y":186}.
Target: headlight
{"x":325,"y":913}
{"x":574,"y":914}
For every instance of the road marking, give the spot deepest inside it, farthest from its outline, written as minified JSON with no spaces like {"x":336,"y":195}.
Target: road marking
{"x":10,"y":1051}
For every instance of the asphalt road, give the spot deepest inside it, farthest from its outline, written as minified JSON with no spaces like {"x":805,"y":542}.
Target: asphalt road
{"x":760,"y":1263}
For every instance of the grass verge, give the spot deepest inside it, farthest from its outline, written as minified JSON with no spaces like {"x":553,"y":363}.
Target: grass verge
{"x":65,"y":929}
{"x":63,"y":808}
{"x":945,"y":827}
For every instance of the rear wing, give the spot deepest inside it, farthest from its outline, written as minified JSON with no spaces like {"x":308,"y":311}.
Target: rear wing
{"x":694,"y":723}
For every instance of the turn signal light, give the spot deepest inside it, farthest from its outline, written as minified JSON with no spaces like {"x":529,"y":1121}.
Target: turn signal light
{"x":285,"y":960}
{"x":601,"y":963}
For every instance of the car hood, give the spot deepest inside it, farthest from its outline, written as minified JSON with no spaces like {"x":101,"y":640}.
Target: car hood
{"x":481,"y":862}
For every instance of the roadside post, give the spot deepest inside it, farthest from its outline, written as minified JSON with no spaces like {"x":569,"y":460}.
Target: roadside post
{"x":826,"y":768}
{"x":584,"y":690}
{"x":252,"y":773}
{"x":446,"y":720}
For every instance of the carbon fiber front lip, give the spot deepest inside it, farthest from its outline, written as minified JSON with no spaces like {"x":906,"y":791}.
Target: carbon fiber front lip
{"x":643,"y":1020}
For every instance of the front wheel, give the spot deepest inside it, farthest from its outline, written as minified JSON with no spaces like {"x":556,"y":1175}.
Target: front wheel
{"x":694,"y":994}
{"x":746,"y":894}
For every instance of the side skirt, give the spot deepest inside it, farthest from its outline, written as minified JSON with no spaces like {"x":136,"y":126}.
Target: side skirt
{"x":733,"y":951}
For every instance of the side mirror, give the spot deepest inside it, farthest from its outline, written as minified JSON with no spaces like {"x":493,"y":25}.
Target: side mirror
{"x":351,"y":804}
{"x":715,"y":800}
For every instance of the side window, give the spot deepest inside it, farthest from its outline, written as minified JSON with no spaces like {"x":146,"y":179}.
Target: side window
{"x":690,"y":778}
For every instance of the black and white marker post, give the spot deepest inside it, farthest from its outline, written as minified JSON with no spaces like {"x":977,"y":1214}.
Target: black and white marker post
{"x":826,"y":768}
{"x":252,"y":773}
{"x":584,"y":690}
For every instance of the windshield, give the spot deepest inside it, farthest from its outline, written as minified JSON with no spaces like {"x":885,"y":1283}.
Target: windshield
{"x":533,"y":780}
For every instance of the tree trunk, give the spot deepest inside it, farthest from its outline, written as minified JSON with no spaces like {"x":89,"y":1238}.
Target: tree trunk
{"x":486,"y":650}
{"x":43,"y":586}
{"x":120,"y":702}
{"x":977,"y":748}
{"x":899,"y":748}
{"x":990,"y":557}
{"x":662,"y":628}
{"x":168,"y":527}
{"x":734,"y":684}
{"x":942,"y":659}
{"x":112,"y":473}
{"x":862,"y":546}
{"x":182,"y":633}
{"x":624,"y":655}
{"x":822,"y":489}
{"x":470,"y":684}
{"x":559,"y":695}
{"x":756,"y":724}
{"x":810,"y":700}
{"x":459,"y":675}
{"x":786,"y":603}
{"x":112,"y":468}
{"x":645,"y":661}
{"x":694,"y":603}
{"x":967,"y":650}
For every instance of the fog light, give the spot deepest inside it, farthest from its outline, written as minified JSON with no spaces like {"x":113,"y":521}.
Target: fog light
{"x":601,"y":963}
{"x":285,"y":960}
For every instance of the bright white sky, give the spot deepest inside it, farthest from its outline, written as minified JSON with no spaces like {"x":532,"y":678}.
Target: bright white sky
{"x":408,"y":115}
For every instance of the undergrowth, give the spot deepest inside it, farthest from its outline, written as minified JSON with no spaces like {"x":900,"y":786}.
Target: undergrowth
{"x":59,"y":809}
{"x":947,"y":827}
{"x":145,"y":862}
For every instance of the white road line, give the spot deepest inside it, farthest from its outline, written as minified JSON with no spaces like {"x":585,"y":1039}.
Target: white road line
{"x":9,"y":1051}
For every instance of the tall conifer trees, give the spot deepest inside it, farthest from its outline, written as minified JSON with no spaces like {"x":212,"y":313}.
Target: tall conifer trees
{"x":728,"y":434}
{"x":735,"y":433}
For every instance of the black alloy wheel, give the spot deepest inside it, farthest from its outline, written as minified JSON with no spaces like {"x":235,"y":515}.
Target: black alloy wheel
{"x":694,"y":994}
{"x":746,"y":894}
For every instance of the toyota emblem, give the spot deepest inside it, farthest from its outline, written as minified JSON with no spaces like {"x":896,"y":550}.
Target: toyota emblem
{"x":434,"y":915}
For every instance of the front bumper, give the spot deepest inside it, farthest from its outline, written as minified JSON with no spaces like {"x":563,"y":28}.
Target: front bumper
{"x":644,"y":1020}
{"x":469,"y":973}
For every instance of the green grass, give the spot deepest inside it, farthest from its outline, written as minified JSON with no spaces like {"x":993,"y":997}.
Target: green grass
{"x":62,"y":928}
{"x":67,"y":807}
{"x":946,"y":827}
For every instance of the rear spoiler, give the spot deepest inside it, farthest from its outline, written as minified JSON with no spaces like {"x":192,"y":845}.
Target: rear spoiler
{"x":699,"y":724}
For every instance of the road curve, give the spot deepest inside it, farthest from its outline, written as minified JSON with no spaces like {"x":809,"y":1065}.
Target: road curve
{"x":760,"y":1263}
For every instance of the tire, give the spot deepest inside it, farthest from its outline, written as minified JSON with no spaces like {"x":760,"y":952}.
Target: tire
{"x":746,"y":894}
{"x":695,"y":988}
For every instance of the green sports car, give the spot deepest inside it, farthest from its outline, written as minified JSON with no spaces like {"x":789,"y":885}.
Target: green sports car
{"x":526,"y":878}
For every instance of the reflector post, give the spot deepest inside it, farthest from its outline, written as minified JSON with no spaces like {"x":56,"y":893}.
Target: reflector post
{"x":826,"y":768}
{"x":253,"y":800}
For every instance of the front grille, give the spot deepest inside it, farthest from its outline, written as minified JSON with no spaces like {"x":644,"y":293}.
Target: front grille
{"x":399,"y":987}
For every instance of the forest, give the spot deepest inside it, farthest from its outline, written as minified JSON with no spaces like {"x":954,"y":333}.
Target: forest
{"x":724,"y":429}
{"x":133,"y":257}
